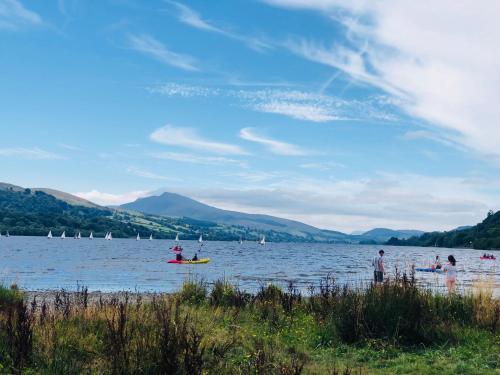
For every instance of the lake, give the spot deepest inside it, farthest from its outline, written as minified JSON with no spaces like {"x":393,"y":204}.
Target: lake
{"x":37,"y":263}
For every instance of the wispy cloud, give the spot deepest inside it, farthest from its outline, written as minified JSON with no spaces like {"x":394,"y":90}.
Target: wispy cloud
{"x":273,"y":145}
{"x":34,"y":153}
{"x":111,"y":199}
{"x":198,"y":159}
{"x":192,"y":18}
{"x":187,"y":137}
{"x":14,"y":16}
{"x":147,"y":174}
{"x":296,"y":104}
{"x":150,"y":46}
{"x":322,"y":166}
{"x":69,"y":147}
{"x":442,"y":69}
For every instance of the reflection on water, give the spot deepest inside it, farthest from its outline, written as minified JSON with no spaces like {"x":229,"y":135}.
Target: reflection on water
{"x":36,"y":263}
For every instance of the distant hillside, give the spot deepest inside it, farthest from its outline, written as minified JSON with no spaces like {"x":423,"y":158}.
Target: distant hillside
{"x":485,"y":235}
{"x":175,"y":205}
{"x":384,"y":234}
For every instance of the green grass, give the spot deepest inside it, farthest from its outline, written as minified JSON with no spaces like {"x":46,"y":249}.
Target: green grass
{"x":396,"y":328}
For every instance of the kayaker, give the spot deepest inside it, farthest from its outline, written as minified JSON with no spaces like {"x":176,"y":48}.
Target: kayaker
{"x":195,"y":258}
{"x":451,"y":273}
{"x":179,"y":257}
{"x":378,"y":267}
{"x":437,"y":263}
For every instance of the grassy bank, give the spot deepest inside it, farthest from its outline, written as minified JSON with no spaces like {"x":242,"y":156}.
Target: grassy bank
{"x":393,"y":328}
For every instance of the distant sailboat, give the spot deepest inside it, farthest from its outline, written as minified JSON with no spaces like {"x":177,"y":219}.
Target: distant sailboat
{"x":241,"y":241}
{"x":79,"y":235}
{"x":106,"y":237}
{"x":138,"y":237}
{"x":110,"y":237}
{"x":7,"y":235}
{"x":177,"y":237}
{"x":200,"y":240}
{"x":151,"y":237}
{"x":91,"y":236}
{"x":63,"y":235}
{"x":262,"y":241}
{"x":50,"y":234}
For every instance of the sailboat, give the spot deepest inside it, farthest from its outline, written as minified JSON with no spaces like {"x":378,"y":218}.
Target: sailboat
{"x":91,"y":236}
{"x":106,"y":237}
{"x":262,"y":241}
{"x":138,"y":237}
{"x":177,"y":237}
{"x":200,"y":240}
{"x":63,"y":235}
{"x":151,"y":237}
{"x":110,"y":237}
{"x":79,"y":235}
{"x":7,"y":235}
{"x":50,"y":234}
{"x":241,"y":240}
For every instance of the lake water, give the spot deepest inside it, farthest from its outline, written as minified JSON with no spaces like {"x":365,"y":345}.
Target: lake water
{"x":37,"y":263}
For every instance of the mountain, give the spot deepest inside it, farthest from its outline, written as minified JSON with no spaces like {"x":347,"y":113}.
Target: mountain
{"x":175,"y":205}
{"x":384,"y":234}
{"x":485,"y":235}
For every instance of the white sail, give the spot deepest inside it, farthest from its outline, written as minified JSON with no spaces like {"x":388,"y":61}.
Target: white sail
{"x":110,"y":237}
{"x":91,"y":236}
{"x":138,"y":237}
{"x":106,"y":236}
{"x":177,"y":238}
{"x":79,"y":235}
{"x":50,"y":234}
{"x":241,"y":240}
{"x":63,"y":235}
{"x":151,"y":237}
{"x":263,"y":240}
{"x":7,"y":235}
{"x":200,"y":240}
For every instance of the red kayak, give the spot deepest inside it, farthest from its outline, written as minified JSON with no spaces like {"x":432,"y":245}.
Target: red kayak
{"x":486,"y":258}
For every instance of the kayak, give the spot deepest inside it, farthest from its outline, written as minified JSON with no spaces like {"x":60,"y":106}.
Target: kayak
{"x":199,"y":261}
{"x":486,"y":258}
{"x":429,"y":270}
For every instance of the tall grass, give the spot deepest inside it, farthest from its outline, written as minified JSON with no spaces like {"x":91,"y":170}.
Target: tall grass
{"x":223,"y":330}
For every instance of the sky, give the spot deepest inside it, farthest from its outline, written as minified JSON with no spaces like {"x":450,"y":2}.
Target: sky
{"x":346,"y":115}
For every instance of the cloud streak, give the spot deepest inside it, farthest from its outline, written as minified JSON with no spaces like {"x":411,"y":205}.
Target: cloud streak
{"x":187,"y":137}
{"x":14,"y":16}
{"x":198,"y":159}
{"x":34,"y":153}
{"x":150,"y":46}
{"x":274,"y":146}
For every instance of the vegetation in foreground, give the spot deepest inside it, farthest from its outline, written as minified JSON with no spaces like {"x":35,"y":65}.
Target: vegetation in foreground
{"x":485,"y":235}
{"x":393,"y":328}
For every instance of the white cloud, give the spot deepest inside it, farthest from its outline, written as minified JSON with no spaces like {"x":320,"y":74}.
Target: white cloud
{"x":111,"y":199}
{"x":197,"y":159}
{"x":69,"y":147}
{"x":390,"y":200}
{"x":34,"y":153}
{"x":322,"y":166}
{"x":439,"y":59}
{"x":146,"y":174}
{"x":274,"y":146}
{"x":13,"y":15}
{"x":184,"y":91}
{"x":150,"y":46}
{"x":187,"y":137}
{"x":192,"y":18}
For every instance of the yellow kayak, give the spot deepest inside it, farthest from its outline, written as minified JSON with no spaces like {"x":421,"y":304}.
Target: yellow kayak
{"x":199,"y":261}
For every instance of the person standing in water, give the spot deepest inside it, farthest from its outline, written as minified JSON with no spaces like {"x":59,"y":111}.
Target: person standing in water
{"x":451,"y":273}
{"x":378,"y":267}
{"x":437,"y":263}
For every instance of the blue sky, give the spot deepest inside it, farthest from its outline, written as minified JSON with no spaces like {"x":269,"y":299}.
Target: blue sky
{"x":344,"y":115}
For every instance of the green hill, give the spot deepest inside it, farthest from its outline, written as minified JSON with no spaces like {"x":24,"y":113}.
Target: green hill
{"x":485,"y":235}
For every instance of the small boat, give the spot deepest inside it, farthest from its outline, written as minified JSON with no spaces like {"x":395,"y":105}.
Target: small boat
{"x":200,"y":240}
{"x":75,"y":236}
{"x":199,"y":261}
{"x":106,"y":236}
{"x":79,"y":235}
{"x":177,"y":237}
{"x":138,"y":238}
{"x":7,"y":235}
{"x":109,"y":237}
{"x":241,"y":241}
{"x":151,"y":237}
{"x":63,"y":235}
{"x":50,"y":234}
{"x":91,"y":236}
{"x":262,"y":241}
{"x":488,"y":258}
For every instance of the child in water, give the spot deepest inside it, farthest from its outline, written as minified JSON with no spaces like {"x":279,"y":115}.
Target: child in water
{"x":451,"y":273}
